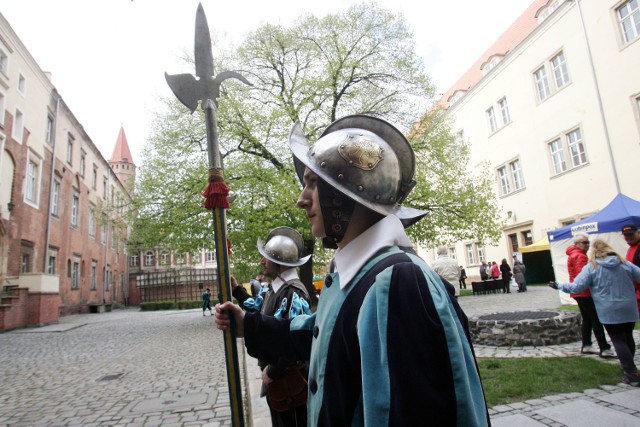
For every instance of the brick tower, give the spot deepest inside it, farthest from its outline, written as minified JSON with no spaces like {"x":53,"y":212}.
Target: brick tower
{"x":121,"y":163}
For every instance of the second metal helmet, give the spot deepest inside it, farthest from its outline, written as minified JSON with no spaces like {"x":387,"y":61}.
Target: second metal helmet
{"x":364,"y":157}
{"x":284,"y":246}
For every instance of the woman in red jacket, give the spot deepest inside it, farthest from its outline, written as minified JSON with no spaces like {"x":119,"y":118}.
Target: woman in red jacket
{"x":577,"y":254}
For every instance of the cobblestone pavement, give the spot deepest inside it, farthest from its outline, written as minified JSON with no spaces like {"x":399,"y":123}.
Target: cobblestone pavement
{"x":132,"y":368}
{"x":123,"y":368}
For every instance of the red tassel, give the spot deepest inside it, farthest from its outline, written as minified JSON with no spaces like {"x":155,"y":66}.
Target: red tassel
{"x":229,"y":247}
{"x":215,"y":194}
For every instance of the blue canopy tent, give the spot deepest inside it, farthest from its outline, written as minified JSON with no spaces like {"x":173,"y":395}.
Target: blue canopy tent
{"x":606,"y":223}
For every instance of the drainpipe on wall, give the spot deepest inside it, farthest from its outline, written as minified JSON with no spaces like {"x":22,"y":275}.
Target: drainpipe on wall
{"x":51,"y":181}
{"x":600,"y":107}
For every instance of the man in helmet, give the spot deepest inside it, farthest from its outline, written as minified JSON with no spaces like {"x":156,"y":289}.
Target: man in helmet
{"x":388,"y":344}
{"x":285,"y":298}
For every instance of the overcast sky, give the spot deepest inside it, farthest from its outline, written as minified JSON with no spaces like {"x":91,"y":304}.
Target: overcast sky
{"x":108,"y":57}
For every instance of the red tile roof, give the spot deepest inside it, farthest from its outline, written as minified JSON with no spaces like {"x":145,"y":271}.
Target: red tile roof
{"x":512,"y":37}
{"x":121,"y":152}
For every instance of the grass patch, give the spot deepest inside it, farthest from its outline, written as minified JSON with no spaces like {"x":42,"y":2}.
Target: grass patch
{"x":517,"y":380}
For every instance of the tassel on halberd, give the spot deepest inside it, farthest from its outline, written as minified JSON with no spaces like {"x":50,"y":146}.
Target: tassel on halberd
{"x":215,"y":194}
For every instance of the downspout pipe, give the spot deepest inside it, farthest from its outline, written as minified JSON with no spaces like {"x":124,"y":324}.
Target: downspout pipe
{"x":51,"y":181}
{"x":600,"y":105}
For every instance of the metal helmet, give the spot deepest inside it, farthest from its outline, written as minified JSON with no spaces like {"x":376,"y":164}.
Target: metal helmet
{"x":284,"y":246}
{"x":365,"y":158}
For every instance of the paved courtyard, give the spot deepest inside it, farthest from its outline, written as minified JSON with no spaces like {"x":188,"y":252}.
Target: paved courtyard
{"x":132,"y":368}
{"x":120,"y":368}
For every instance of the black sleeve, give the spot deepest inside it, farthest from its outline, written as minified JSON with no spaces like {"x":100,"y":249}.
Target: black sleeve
{"x":240,"y":294}
{"x":271,"y":339}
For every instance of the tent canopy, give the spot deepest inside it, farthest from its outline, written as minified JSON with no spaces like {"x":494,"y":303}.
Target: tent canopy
{"x":622,"y":210}
{"x":540,"y":245}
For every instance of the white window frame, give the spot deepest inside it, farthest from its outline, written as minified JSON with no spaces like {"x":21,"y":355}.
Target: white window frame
{"x":503,"y":105}
{"x":149,"y":258}
{"x":49,"y":130}
{"x":133,"y":260}
{"x":75,"y":209}
{"x":94,"y":271}
{"x":70,"y":142}
{"x":31,"y":181}
{"x":75,"y":273}
{"x":55,"y":197}
{"x":492,"y":122}
{"x":3,"y":100}
{"x":498,"y":115}
{"x":104,"y":230}
{"x":22,"y":84}
{"x":629,"y":21}
{"x":83,"y":162}
{"x":18,"y":125}
{"x":4,"y":62}
{"x":557,"y":67}
{"x":92,"y":222}
{"x":474,"y":253}
{"x":567,"y":152}
{"x":52,"y":261}
{"x":510,"y":177}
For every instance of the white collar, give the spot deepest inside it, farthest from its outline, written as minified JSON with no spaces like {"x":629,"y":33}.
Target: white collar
{"x":285,"y":276}
{"x":385,"y":233}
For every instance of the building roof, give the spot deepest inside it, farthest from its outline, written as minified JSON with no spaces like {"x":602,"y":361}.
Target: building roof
{"x":121,"y":152}
{"x":512,"y":37}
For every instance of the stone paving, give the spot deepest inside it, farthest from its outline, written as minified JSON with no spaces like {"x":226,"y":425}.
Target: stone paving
{"x":132,"y":368}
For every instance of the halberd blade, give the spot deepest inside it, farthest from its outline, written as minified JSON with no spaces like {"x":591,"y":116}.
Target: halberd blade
{"x":202,"y":51}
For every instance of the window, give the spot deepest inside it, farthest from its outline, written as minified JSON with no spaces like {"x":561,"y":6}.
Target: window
{"x":548,"y":10}
{"x":70,"y":142}
{"x":452,"y":252}
{"x":107,"y":279}
{"x":474,"y":253}
{"x":491,"y":120}
{"x":83,"y":161}
{"x":92,"y":222}
{"x":527,"y":237}
{"x":211,"y":256}
{"x":94,"y":269}
{"x":133,"y":260}
{"x":164,"y":258}
{"x":496,"y":121}
{"x":570,"y":146}
{"x":456,"y":96}
{"x":75,"y":204}
{"x":4,"y":62}
{"x":104,"y":188}
{"x":149,"y":258}
{"x":55,"y":198}
{"x":31,"y":182}
{"x":18,"y":123}
{"x":504,"y":111}
{"x":541,"y":83}
{"x":510,"y":177}
{"x":113,"y":237}
{"x":25,"y":263}
{"x":195,"y":258}
{"x":180,"y":259}
{"x":22,"y":84}
{"x":490,"y":65}
{"x":94,"y":177}
{"x":103,"y":231}
{"x":75,"y":273}
{"x":49,"y":130}
{"x":557,"y":67}
{"x":52,"y":261}
{"x":2,"y":106}
{"x":629,"y":18}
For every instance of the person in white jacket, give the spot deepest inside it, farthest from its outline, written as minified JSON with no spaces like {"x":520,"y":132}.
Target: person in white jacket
{"x":610,"y":278}
{"x":447,"y":268}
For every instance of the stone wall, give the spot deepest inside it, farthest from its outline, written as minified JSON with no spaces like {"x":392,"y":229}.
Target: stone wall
{"x":529,"y":328}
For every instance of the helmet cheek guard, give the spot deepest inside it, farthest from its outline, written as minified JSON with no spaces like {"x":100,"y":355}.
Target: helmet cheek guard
{"x":336,"y":213}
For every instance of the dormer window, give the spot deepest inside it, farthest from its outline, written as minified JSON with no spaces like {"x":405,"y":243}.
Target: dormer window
{"x":545,"y":11}
{"x":456,"y":96}
{"x":490,"y":64}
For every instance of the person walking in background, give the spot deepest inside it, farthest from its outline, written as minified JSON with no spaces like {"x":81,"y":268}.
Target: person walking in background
{"x":447,"y":268}
{"x":610,"y":278}
{"x":505,"y":270}
{"x":286,"y":298}
{"x":463,"y":277}
{"x":206,"y":302}
{"x":484,"y":271}
{"x":518,"y":274}
{"x":631,"y":235}
{"x":577,"y":259}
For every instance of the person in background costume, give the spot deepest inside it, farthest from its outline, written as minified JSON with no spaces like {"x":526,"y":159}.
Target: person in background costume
{"x":610,"y":278}
{"x":388,"y":344}
{"x":285,"y":298}
{"x":206,"y":302}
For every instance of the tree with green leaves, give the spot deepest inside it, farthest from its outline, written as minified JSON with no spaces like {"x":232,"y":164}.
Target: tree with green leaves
{"x":362,"y":60}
